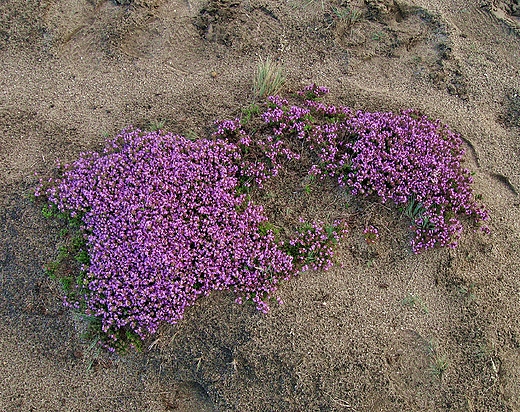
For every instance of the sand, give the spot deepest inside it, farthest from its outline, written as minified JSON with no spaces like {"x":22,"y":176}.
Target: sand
{"x":384,"y":330}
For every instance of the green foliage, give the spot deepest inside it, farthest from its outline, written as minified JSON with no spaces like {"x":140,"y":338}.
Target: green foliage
{"x":72,"y":253}
{"x":378,"y":36}
{"x":51,"y":268}
{"x":332,"y":232}
{"x":439,"y":365}
{"x":415,"y":210}
{"x":306,"y":227}
{"x":468,"y":291}
{"x":244,"y":187}
{"x":266,"y":227}
{"x":348,"y":15}
{"x":49,"y":211}
{"x":124,"y":339}
{"x":66,"y":283}
{"x":307,"y":3}
{"x":412,"y":300}
{"x":31,"y":197}
{"x":192,"y":135}
{"x":438,"y":361}
{"x":82,"y":257}
{"x":156,"y":125}
{"x":309,"y":182}
{"x":248,"y":113}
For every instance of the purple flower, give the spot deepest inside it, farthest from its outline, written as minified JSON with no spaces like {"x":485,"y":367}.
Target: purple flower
{"x":166,"y":223}
{"x":165,"y":226}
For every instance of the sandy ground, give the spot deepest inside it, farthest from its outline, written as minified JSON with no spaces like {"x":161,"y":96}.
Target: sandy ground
{"x":368,"y":335}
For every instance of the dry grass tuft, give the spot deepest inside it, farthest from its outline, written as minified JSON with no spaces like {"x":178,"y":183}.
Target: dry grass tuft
{"x":269,"y":78}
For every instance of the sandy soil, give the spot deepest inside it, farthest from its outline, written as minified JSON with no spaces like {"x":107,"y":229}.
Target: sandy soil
{"x":373,"y":333}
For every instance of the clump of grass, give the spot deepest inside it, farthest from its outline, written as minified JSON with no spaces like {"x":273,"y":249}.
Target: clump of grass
{"x":439,"y":365}
{"x":156,"y":125}
{"x":348,"y":15}
{"x":468,"y":291}
{"x":192,"y":135}
{"x":309,"y":2}
{"x":438,"y":361}
{"x":415,"y":211}
{"x":269,"y":78}
{"x":415,"y":301}
{"x":378,"y":36}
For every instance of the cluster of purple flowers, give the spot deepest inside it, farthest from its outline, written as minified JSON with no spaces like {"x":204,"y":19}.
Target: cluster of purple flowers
{"x":313,"y":247}
{"x":165,"y":225}
{"x":401,"y":158}
{"x":165,"y":222}
{"x":371,"y":234}
{"x":262,"y":158}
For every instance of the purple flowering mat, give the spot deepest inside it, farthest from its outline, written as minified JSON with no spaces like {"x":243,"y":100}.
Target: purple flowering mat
{"x":158,"y":220}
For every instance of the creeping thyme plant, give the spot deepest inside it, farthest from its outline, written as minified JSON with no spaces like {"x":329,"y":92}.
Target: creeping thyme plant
{"x":166,"y":220}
